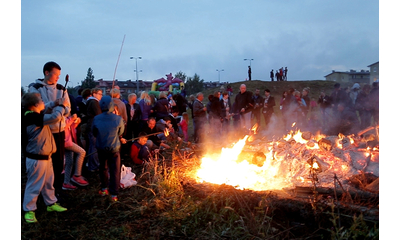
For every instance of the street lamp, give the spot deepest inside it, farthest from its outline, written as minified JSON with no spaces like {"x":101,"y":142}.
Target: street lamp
{"x":248,"y":60}
{"x":219,"y":71}
{"x":137,"y":76}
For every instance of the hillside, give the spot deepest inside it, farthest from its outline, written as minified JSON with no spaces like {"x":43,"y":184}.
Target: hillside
{"x":277,"y":88}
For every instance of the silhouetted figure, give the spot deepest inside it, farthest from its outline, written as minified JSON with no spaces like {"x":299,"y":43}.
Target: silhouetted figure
{"x":285,"y":74}
{"x":271,"y":75}
{"x":249,"y":71}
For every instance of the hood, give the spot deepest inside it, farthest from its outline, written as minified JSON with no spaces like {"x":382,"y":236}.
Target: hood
{"x":356,"y":86}
{"x":106,"y":104}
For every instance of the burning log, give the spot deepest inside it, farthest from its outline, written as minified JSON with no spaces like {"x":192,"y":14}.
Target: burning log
{"x":325,"y":144}
{"x":306,"y":135}
{"x":360,"y":133}
{"x":373,"y":187}
{"x":321,"y":165}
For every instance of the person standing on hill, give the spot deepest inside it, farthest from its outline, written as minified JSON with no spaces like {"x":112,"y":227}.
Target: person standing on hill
{"x":285,"y":73}
{"x":271,"y":75}
{"x":249,"y":72}
{"x":277,"y":76}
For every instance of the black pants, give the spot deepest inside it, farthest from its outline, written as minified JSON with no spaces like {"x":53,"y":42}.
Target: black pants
{"x":267,"y":118}
{"x":110,"y":162}
{"x":58,"y":160}
{"x":257,"y":116}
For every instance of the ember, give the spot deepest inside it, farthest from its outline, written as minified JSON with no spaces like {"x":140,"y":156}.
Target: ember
{"x":286,"y":163}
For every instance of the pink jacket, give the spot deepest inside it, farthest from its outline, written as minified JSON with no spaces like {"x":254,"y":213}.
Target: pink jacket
{"x":184,"y":125}
{"x":70,"y":132}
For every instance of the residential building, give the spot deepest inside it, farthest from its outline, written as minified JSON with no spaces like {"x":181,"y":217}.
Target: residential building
{"x":374,"y":72}
{"x":126,"y":87}
{"x":351,"y":76}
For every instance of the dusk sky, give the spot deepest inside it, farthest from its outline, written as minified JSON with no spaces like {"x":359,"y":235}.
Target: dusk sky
{"x":311,"y":38}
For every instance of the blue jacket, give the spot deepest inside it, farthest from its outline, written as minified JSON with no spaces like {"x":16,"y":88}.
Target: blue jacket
{"x":108,"y":127}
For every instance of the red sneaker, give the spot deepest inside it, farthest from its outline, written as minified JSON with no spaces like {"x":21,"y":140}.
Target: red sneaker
{"x":67,"y":186}
{"x":103,"y":192}
{"x":81,"y":181}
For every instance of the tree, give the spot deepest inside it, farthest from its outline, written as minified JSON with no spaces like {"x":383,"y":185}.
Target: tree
{"x":73,"y":91}
{"x":194,"y":84}
{"x":181,"y":76}
{"x":89,"y":80}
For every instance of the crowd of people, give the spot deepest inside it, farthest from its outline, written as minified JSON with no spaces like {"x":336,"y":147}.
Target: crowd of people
{"x":62,"y":134}
{"x":280,"y":75}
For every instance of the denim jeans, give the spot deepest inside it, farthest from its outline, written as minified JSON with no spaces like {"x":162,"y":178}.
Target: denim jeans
{"x":93,"y":159}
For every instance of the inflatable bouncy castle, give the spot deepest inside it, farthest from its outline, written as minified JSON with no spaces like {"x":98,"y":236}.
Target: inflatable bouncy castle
{"x":171,"y":84}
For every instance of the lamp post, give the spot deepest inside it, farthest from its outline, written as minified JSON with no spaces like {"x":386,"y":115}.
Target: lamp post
{"x":246,"y":59}
{"x":137,"y":74}
{"x":219,"y":73}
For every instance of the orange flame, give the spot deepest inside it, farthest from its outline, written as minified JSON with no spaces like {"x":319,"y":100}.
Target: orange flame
{"x":166,"y":132}
{"x":255,"y":128}
{"x":315,"y":165}
{"x":280,"y":168}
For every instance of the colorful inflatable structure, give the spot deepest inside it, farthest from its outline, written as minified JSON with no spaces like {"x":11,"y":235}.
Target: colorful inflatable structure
{"x":171,"y":84}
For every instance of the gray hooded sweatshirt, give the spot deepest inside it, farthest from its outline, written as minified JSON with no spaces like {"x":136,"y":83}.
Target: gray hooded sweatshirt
{"x":49,"y":94}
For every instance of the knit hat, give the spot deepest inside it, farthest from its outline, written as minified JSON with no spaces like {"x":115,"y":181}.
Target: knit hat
{"x":106,"y":104}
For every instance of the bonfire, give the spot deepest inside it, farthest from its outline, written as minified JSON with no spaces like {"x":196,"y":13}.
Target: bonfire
{"x":299,"y":159}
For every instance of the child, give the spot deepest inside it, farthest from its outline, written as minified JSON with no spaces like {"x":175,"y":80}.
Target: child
{"x":72,"y":147}
{"x":38,"y":146}
{"x":184,"y":125}
{"x":108,"y":129}
{"x":139,"y":151}
{"x":313,"y":104}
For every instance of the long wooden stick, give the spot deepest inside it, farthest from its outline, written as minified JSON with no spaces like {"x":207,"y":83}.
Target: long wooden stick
{"x":128,"y":141}
{"x":115,"y":71}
